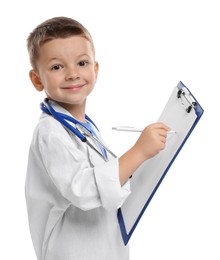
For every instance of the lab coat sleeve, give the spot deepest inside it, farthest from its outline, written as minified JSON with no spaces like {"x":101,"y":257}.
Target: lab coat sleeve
{"x":111,"y":193}
{"x":85,"y":186}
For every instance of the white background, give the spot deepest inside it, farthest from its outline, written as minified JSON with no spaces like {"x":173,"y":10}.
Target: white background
{"x":144,"y":49}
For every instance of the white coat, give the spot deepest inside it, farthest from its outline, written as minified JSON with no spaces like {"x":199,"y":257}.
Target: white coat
{"x":72,"y":197}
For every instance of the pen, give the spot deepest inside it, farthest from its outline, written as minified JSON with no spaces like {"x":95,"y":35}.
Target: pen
{"x":134,"y":129}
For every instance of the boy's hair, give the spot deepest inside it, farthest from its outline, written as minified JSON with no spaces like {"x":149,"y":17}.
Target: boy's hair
{"x":54,"y":28}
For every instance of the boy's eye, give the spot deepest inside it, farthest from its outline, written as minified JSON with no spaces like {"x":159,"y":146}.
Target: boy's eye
{"x":56,"y":67}
{"x":83,"y":63}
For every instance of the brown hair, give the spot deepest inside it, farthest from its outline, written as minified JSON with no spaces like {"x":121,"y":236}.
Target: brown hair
{"x":57,"y":27}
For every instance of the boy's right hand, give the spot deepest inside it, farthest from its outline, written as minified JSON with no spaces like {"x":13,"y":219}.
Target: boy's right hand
{"x":151,"y":141}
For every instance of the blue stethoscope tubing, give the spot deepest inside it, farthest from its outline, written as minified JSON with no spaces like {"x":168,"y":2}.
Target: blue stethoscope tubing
{"x":63,"y":118}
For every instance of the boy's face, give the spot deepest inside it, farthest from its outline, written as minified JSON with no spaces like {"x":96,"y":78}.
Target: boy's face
{"x":67,"y":71}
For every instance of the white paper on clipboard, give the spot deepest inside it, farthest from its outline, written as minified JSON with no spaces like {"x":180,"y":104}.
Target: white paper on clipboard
{"x":182,"y":112}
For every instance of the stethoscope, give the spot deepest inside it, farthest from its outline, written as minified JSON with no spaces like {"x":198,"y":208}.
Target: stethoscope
{"x":79,"y":130}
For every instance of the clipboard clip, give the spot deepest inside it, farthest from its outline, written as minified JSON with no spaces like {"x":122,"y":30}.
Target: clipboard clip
{"x":186,"y":99}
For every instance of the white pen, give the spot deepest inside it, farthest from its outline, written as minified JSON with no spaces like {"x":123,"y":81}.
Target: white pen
{"x":134,"y":129}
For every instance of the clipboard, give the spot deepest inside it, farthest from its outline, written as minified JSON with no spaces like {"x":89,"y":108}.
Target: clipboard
{"x":182,"y":113}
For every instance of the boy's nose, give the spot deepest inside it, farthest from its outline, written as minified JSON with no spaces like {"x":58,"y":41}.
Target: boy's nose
{"x":72,"y":74}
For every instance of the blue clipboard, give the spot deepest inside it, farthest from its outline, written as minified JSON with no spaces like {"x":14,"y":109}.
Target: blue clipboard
{"x":182,"y":113}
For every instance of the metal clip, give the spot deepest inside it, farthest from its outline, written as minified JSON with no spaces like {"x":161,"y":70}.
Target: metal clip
{"x":186,"y":99}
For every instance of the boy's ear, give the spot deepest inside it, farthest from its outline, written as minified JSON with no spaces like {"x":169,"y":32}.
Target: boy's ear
{"x":36,"y":81}
{"x":96,"y":68}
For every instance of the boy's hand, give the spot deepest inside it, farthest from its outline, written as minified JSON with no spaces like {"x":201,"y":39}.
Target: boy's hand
{"x":152,"y":140}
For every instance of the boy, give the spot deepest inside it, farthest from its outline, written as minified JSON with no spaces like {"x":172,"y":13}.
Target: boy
{"x":72,"y":194}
